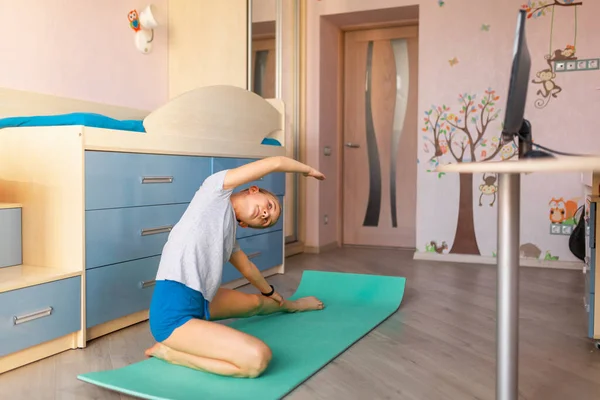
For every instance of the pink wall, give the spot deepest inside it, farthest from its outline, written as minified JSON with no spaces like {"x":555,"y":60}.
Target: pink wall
{"x":455,"y":30}
{"x":82,"y":49}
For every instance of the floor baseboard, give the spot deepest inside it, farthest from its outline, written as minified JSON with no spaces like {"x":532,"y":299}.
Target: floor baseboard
{"x":472,"y":259}
{"x":321,"y":249}
{"x":294,"y":248}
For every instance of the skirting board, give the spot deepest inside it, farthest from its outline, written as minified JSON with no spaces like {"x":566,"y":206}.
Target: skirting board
{"x":321,"y":249}
{"x":38,"y":352}
{"x":294,"y":248}
{"x":471,"y":259}
{"x":115,"y":325}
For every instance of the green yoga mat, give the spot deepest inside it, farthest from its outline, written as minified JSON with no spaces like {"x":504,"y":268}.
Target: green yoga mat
{"x":302,"y":343}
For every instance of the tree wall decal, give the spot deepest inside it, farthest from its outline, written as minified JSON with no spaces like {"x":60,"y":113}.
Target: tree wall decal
{"x":461,"y":138}
{"x":536,"y":9}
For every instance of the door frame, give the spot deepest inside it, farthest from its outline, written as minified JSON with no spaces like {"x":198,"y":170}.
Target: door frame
{"x":412,"y":27}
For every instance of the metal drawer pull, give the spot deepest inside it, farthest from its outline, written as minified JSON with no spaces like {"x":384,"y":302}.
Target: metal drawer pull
{"x":156,"y":231}
{"x":145,"y":284}
{"x":254,"y":255}
{"x":32,"y":316}
{"x":157,"y":179}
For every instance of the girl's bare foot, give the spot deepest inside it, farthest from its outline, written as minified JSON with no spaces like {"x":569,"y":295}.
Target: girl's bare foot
{"x":159,"y":350}
{"x":305,"y":304}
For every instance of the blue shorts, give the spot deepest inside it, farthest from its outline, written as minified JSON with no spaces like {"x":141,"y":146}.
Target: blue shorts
{"x":172,"y":305}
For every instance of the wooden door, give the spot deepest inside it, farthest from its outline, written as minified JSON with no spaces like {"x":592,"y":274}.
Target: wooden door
{"x":380,"y":137}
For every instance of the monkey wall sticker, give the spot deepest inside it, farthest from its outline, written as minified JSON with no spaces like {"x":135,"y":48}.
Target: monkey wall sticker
{"x":489,"y":188}
{"x":546,"y":77}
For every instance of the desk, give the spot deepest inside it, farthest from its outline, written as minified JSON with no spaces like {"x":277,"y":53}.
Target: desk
{"x":509,"y":192}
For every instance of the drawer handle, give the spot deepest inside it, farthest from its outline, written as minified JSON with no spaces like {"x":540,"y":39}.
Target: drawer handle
{"x":145,"y":284}
{"x":156,"y":231}
{"x":254,"y":255}
{"x":32,"y":316}
{"x":157,"y":179}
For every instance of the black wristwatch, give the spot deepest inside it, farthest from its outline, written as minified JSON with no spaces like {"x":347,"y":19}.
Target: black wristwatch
{"x":270,"y":293}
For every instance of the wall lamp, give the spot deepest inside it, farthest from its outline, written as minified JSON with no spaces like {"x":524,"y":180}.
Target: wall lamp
{"x":143,"y":24}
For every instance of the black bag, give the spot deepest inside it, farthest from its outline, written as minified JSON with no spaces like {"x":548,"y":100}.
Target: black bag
{"x":577,"y":238}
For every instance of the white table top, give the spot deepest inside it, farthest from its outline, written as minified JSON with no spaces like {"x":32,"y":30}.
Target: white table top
{"x":557,"y":164}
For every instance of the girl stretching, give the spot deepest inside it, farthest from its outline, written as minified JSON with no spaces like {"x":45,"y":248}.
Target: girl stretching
{"x":188,"y":297}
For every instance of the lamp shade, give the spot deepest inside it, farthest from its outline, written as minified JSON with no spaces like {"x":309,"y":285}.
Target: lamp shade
{"x":147,"y":18}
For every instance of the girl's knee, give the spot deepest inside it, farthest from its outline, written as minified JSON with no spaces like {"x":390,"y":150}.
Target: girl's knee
{"x":256,"y":304}
{"x":258,"y":359}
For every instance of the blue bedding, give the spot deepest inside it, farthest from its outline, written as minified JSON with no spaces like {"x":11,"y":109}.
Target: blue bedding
{"x":85,"y":119}
{"x":90,"y":120}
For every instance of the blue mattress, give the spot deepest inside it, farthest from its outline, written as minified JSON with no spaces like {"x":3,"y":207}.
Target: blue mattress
{"x":90,"y":120}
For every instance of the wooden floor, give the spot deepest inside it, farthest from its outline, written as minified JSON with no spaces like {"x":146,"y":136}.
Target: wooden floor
{"x":439,"y":345}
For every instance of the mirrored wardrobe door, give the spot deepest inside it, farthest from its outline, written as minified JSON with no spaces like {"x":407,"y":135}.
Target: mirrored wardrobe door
{"x":273,"y":73}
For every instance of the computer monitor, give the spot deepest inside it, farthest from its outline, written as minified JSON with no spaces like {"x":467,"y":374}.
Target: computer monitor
{"x":519,"y":82}
{"x":515,"y":125}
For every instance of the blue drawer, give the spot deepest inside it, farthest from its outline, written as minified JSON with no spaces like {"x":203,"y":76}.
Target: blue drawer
{"x":275,"y":182}
{"x":123,"y":234}
{"x":10,"y":237}
{"x":129,"y":179}
{"x":245,"y":232}
{"x":40,"y":313}
{"x":118,"y":290}
{"x":265,"y":251}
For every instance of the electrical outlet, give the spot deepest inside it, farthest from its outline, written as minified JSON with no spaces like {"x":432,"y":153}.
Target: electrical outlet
{"x":325,"y":219}
{"x":567,"y":229}
{"x":560,"y":229}
{"x":555,"y":229}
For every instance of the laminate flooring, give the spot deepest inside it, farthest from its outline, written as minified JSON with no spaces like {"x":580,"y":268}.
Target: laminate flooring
{"x":439,"y":345}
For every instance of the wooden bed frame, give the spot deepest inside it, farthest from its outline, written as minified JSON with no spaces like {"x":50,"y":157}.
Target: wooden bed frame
{"x":44,"y":171}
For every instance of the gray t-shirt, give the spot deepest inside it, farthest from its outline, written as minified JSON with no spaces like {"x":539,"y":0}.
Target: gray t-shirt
{"x":202,"y":241}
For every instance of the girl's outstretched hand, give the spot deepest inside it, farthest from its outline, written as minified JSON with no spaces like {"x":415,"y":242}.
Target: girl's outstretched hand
{"x":315,"y":174}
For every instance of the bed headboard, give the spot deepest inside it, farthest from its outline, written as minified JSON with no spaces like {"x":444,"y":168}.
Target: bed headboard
{"x":222,"y":112}
{"x":18,"y":103}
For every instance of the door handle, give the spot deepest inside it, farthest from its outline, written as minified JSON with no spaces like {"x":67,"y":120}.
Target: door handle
{"x":352,"y":145}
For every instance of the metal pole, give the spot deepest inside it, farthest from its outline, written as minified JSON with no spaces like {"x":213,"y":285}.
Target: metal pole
{"x":507,"y":324}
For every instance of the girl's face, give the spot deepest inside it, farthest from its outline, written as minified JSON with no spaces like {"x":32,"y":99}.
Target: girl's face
{"x":258,"y":210}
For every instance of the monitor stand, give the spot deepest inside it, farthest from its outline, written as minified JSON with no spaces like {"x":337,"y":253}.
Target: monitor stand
{"x":525,"y":148}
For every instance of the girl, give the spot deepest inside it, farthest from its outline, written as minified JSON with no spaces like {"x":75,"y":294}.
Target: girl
{"x":188,"y":297}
